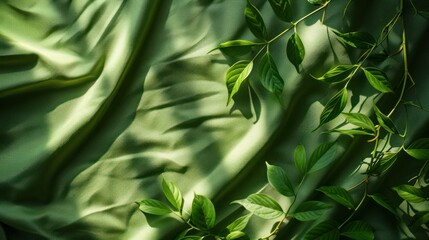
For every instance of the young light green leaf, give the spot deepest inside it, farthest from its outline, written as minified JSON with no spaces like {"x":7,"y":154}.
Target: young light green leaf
{"x":300,"y":159}
{"x":235,"y":76}
{"x":203,"y":213}
{"x":236,"y":235}
{"x":326,"y":230}
{"x":236,"y":48}
{"x":279,"y":181}
{"x":339,"y":195}
{"x":334,"y":107}
{"x":270,"y":76}
{"x":358,"y":230}
{"x":322,"y":156}
{"x":153,"y":206}
{"x":173,"y":194}
{"x":383,"y":201}
{"x":384,"y":121}
{"x":295,"y":50}
{"x":360,"y":120}
{"x":419,"y":149}
{"x":239,"y":223}
{"x":316,"y":2}
{"x":255,"y":22}
{"x":377,"y":79}
{"x":410,"y":193}
{"x":337,"y":74}
{"x":282,"y":9}
{"x":361,"y":40}
{"x":311,"y":210}
{"x":262,"y":206}
{"x":352,"y":132}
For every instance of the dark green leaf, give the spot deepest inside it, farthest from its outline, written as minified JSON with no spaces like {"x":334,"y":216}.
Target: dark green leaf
{"x":384,"y":121}
{"x":316,"y":2}
{"x":311,"y":210}
{"x":173,"y":194}
{"x":236,"y":235}
{"x":270,"y":76}
{"x":337,"y":74}
{"x":410,"y":193}
{"x":378,"y":57}
{"x":300,"y":159}
{"x":203,"y":212}
{"x":352,"y":132}
{"x":334,"y":107}
{"x":377,"y":79}
{"x":358,"y":230}
{"x":282,"y":9}
{"x":295,"y":50}
{"x":322,"y":156}
{"x":339,"y":195}
{"x":360,"y":120}
{"x":255,"y":22}
{"x":235,"y":76}
{"x":384,"y":202}
{"x":326,"y":230}
{"x":385,"y":163}
{"x":420,"y":218}
{"x":419,"y":149}
{"x":279,"y":181}
{"x":361,"y":40}
{"x":239,"y":223}
{"x":153,"y":206}
{"x":262,"y":206}
{"x":236,"y":48}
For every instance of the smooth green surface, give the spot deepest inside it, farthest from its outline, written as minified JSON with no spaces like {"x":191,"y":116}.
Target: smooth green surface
{"x":98,"y":99}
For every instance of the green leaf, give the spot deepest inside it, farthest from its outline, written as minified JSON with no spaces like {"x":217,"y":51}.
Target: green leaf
{"x":383,"y":201}
{"x":358,"y":230}
{"x":352,"y":132}
{"x":361,"y":40}
{"x":360,"y":120}
{"x":377,"y":79}
{"x":183,"y":234}
{"x":255,"y":22}
{"x":300,"y":159}
{"x":419,"y":149}
{"x":316,"y":2}
{"x":279,"y":181}
{"x":235,"y":76}
{"x":334,"y":107}
{"x":311,"y":210}
{"x":270,"y":76}
{"x":326,"y":230}
{"x":410,"y":193}
{"x":339,"y":195}
{"x":236,"y":48}
{"x":384,"y":121}
{"x":322,"y":156}
{"x":191,"y":238}
{"x":153,"y":206}
{"x":338,"y":73}
{"x":173,"y":194}
{"x":385,"y":163}
{"x":236,"y":235}
{"x":262,"y":206}
{"x":295,"y":50}
{"x":420,"y":218}
{"x":203,"y":212}
{"x":239,"y":223}
{"x":282,"y":9}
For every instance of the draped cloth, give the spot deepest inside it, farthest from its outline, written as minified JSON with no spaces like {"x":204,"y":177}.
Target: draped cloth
{"x":99,"y":99}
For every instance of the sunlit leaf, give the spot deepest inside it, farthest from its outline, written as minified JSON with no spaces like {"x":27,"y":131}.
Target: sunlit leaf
{"x":173,"y":194}
{"x":322,"y":156}
{"x":203,"y":213}
{"x":358,"y":230}
{"x":239,"y":223}
{"x":279,"y":181}
{"x":326,"y":230}
{"x":270,"y":76}
{"x":236,"y":235}
{"x":235,"y":76}
{"x":361,"y":40}
{"x":300,"y":159}
{"x":419,"y":149}
{"x":236,"y":48}
{"x":410,"y":193}
{"x":295,"y":50}
{"x":191,"y":238}
{"x":420,"y":218}
{"x":383,"y":201}
{"x":262,"y":206}
{"x":153,"y":206}
{"x":311,"y":210}
{"x":316,"y":2}
{"x":360,"y":120}
{"x":282,"y":9}
{"x":338,"y":73}
{"x":377,"y":79}
{"x":255,"y":22}
{"x":339,"y":195}
{"x":183,"y":234}
{"x":334,"y":107}
{"x":384,"y":121}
